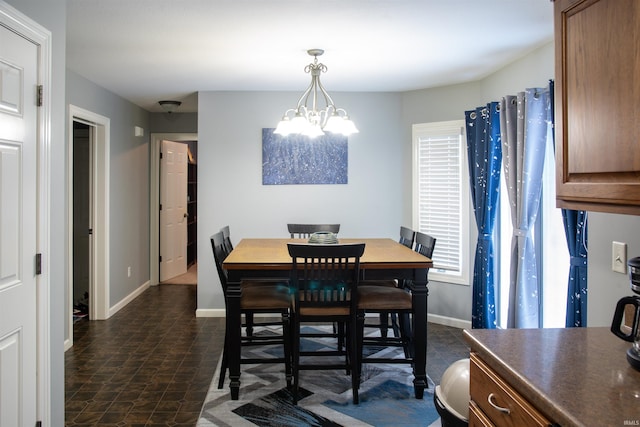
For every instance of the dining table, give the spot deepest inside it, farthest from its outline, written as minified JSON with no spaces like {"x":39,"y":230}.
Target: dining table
{"x":383,"y":258}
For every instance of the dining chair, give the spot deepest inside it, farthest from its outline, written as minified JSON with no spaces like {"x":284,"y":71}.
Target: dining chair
{"x":324,"y":281}
{"x":268,"y":297}
{"x":407,"y":238}
{"x":248,"y":316}
{"x":304,"y":231}
{"x":395,"y":300}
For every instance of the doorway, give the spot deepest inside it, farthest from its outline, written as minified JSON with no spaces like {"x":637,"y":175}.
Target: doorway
{"x":82,"y":218}
{"x":154,"y":201}
{"x":173,"y":210}
{"x":88,"y":207}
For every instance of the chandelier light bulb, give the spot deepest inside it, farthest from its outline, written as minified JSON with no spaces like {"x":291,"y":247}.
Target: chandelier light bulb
{"x":284,"y":127}
{"x":313,"y":131}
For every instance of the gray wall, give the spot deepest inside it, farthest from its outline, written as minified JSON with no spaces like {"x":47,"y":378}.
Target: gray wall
{"x":373,"y":204}
{"x":377,"y":206}
{"x":230,"y":190}
{"x":377,"y":199}
{"x":532,"y":70}
{"x":173,"y":123}
{"x":605,"y":286}
{"x":450,"y":300}
{"x":129,"y":183}
{"x":52,"y":16}
{"x":446,"y":300}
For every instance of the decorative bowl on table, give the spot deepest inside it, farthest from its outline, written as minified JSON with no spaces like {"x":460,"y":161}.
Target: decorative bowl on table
{"x":323,"y":237}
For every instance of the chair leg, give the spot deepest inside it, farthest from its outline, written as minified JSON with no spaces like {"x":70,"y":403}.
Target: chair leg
{"x":248,"y":320}
{"x":348,"y":354}
{"x":223,"y":364}
{"x":339,"y":329}
{"x":286,"y":338}
{"x":295,"y":357}
{"x":384,"y":324}
{"x":354,"y":360}
{"x":360,"y":339}
{"x":406,"y":332}
{"x":394,"y":325}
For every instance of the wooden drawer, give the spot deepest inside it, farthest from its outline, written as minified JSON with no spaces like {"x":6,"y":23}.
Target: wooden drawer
{"x":477,"y":418}
{"x":502,"y":405}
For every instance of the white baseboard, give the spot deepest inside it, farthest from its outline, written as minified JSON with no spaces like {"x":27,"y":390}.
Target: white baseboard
{"x":126,"y":300}
{"x":434,"y":318}
{"x":210,"y":312}
{"x":449,"y":321}
{"x":67,"y":344}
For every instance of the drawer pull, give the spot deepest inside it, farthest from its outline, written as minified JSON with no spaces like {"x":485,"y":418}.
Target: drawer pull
{"x":499,"y":408}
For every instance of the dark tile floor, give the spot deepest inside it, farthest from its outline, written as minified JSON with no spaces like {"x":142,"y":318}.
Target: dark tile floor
{"x":151,"y":364}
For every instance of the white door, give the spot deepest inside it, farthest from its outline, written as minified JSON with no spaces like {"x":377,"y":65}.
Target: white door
{"x":173,"y":212}
{"x":18,"y":174}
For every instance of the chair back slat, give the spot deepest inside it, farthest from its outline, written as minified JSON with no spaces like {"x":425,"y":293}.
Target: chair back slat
{"x":407,"y":237}
{"x":219,"y":255}
{"x":325,"y":275}
{"x":304,"y":231}
{"x":425,"y":244}
{"x":227,"y":238}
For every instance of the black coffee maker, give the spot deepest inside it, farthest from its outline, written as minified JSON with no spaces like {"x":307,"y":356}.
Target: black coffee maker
{"x":621,"y":328}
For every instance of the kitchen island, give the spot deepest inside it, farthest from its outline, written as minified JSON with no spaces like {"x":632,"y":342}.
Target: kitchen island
{"x":572,"y":376}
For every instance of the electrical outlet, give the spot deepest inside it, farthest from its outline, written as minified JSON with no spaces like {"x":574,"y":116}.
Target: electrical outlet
{"x":128,"y":271}
{"x":619,"y":257}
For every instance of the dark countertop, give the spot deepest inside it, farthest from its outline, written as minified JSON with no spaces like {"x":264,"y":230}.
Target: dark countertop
{"x":574,"y":376}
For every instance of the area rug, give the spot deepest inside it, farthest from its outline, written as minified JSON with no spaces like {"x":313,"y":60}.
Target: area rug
{"x":325,"y":399}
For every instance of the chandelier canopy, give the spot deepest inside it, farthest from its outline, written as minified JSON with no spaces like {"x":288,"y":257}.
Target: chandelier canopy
{"x":169,"y":106}
{"x":307,"y":118}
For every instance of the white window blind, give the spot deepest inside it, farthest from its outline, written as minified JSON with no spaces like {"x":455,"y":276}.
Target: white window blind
{"x":439,"y":193}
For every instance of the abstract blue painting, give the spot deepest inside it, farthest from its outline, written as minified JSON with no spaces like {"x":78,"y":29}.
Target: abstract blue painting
{"x":298,"y":159}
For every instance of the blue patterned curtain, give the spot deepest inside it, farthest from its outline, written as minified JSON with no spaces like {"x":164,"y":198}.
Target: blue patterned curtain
{"x":485,"y":156}
{"x":525,"y":124}
{"x":575,"y":227}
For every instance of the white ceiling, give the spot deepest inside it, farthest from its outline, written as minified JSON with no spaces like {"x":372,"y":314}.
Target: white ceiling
{"x":149,"y":50}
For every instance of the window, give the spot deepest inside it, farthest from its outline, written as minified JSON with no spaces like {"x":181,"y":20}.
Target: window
{"x":441,"y":208}
{"x":552,"y":254}
{"x":441,"y":196}
{"x":555,"y":259}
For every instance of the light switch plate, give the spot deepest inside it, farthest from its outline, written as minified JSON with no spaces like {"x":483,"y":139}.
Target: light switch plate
{"x":619,"y":257}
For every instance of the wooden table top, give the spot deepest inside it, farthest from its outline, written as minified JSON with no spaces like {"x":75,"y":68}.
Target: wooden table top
{"x":272,"y":254}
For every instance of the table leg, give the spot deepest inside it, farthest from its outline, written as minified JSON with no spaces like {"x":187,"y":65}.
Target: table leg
{"x":419,"y":296}
{"x":233,"y":332}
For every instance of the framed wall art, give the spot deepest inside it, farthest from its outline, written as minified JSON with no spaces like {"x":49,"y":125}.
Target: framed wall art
{"x":299,"y":159}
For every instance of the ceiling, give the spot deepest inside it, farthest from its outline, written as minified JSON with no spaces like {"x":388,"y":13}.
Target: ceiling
{"x":150,"y":50}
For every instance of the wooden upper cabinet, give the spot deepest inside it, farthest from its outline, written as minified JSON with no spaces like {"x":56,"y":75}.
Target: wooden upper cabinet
{"x":597,"y":105}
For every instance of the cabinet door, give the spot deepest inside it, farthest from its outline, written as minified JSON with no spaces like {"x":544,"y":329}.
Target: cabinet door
{"x":597,"y":104}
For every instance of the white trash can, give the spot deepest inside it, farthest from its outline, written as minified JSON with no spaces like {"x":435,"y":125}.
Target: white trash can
{"x":451,"y":397}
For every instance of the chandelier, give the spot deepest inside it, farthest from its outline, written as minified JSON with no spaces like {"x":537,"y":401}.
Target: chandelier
{"x":307,"y":118}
